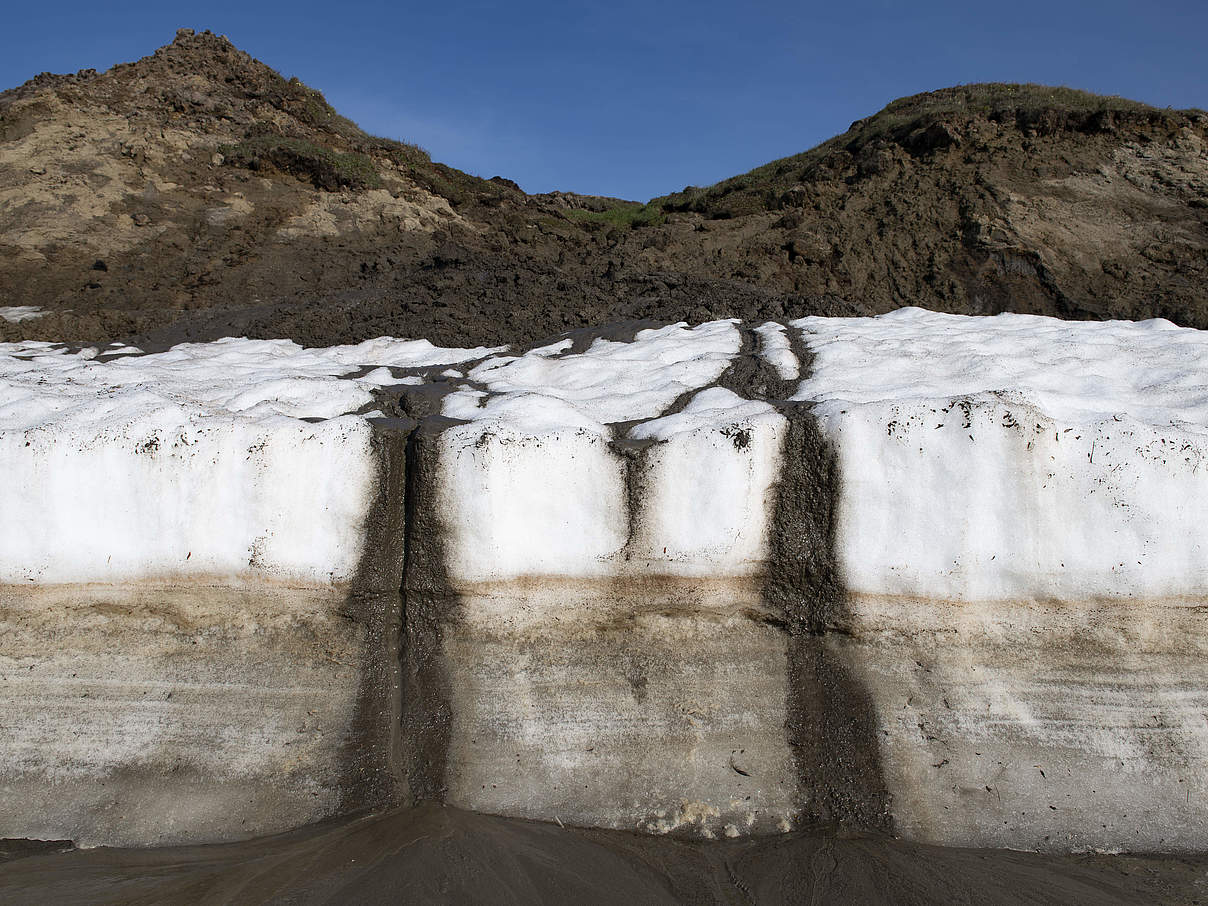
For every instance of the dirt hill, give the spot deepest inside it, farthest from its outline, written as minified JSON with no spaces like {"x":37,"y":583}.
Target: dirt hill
{"x":197,"y":193}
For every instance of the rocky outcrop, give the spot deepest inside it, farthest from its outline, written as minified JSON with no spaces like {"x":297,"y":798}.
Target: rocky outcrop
{"x":196,"y":194}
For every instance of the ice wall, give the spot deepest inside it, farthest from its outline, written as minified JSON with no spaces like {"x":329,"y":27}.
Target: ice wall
{"x":931,"y":574}
{"x":1019,"y":533}
{"x":200,"y":560}
{"x":604,"y":517}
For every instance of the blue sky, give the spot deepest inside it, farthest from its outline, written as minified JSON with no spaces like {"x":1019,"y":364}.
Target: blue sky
{"x":637,"y":99}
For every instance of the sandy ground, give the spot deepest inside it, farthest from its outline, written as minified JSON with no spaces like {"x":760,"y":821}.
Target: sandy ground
{"x":432,"y":854}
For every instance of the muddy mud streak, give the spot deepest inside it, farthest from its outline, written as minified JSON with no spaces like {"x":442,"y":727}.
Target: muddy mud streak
{"x":372,"y":773}
{"x":831,"y":725}
{"x":429,"y":603}
{"x":831,"y":717}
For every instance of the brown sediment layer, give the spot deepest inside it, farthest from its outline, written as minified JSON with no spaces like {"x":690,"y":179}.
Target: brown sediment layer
{"x":633,"y":708}
{"x":157,"y":714}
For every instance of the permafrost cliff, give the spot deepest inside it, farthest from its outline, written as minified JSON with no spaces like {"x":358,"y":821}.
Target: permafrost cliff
{"x":934,"y":574}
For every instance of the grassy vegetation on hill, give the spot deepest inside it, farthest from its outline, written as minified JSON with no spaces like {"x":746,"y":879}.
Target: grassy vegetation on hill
{"x":325,"y":168}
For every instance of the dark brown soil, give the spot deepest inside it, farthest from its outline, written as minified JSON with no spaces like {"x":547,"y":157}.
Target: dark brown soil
{"x":442,"y":855}
{"x":979,"y":199}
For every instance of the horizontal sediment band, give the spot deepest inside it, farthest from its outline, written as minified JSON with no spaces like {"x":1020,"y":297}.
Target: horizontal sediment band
{"x":1057,"y":725}
{"x":154,"y":714}
{"x":653,"y":705}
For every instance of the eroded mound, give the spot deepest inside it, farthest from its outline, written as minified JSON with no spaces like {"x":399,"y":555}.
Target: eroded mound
{"x":196,"y":194}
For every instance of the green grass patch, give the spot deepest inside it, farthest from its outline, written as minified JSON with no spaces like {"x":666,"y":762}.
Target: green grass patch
{"x":622,"y":216}
{"x":326,"y":169}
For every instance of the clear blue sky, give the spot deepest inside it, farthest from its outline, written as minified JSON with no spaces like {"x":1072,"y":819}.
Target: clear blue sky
{"x":637,"y":99}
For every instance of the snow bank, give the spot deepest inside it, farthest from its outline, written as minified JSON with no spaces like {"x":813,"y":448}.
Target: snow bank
{"x":254,"y":457}
{"x":1017,"y":532}
{"x":1015,"y":457}
{"x":538,"y":480}
{"x":223,"y":459}
{"x":1002,"y":457}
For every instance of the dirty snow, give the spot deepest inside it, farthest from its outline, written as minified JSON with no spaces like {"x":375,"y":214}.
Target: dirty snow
{"x":195,"y":461}
{"x":1015,"y":457}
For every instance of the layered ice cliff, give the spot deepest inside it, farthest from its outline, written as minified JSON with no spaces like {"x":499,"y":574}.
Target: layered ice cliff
{"x":1016,"y":456}
{"x":936,"y":574}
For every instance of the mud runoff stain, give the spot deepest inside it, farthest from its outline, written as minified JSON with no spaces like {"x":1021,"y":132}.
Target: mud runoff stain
{"x":428,"y":599}
{"x":831,"y":721}
{"x":432,"y":854}
{"x":370,"y":776}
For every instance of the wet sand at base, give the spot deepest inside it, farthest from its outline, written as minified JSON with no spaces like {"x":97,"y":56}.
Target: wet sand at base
{"x":432,"y":854}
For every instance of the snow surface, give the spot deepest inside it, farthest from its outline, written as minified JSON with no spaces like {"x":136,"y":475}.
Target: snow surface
{"x":610,"y":382}
{"x":1015,"y":457}
{"x":775,"y":348}
{"x":535,"y":485}
{"x":981,"y":458}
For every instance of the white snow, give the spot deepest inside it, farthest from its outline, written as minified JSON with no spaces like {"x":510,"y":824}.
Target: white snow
{"x":1076,"y":371}
{"x":1015,"y":457}
{"x":535,"y":497}
{"x":776,"y":350}
{"x":533,"y":500}
{"x":191,"y":462}
{"x":15,"y":314}
{"x":533,"y":484}
{"x":708,"y":486}
{"x":611,"y":381}
{"x":981,"y":458}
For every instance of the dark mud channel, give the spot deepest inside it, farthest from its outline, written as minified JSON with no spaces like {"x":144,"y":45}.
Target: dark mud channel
{"x":432,"y":854}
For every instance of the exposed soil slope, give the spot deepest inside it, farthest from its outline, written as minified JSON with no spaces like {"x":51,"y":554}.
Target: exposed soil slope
{"x":196,"y":193}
